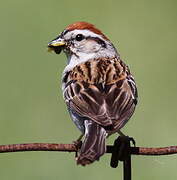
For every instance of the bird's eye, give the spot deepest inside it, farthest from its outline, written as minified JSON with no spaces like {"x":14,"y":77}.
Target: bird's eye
{"x":79,"y":37}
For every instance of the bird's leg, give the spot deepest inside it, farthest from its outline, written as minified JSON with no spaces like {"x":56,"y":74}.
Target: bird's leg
{"x":120,"y":133}
{"x":78,"y":144}
{"x":130,"y":138}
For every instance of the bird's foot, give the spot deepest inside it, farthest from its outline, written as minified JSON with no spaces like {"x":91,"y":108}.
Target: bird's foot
{"x":78,"y":144}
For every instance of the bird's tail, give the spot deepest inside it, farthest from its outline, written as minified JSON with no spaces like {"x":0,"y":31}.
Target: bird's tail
{"x":94,"y":143}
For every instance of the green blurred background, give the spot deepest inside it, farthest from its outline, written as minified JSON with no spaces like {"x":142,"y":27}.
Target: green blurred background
{"x":31,"y":103}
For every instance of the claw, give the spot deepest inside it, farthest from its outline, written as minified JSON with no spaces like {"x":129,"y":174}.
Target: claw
{"x":78,"y":144}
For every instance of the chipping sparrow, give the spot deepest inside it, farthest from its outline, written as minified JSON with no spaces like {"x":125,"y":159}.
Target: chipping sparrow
{"x":98,"y":88}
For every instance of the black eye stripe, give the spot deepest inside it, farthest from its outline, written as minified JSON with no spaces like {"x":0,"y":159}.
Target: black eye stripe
{"x":98,"y":40}
{"x":64,"y":32}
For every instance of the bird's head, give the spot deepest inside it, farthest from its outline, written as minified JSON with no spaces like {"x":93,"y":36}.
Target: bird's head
{"x":83,"y":41}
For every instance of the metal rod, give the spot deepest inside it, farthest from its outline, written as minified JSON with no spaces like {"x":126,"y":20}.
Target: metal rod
{"x":127,"y":168}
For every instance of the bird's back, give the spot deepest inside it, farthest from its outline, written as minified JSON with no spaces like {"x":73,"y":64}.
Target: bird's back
{"x":102,"y":90}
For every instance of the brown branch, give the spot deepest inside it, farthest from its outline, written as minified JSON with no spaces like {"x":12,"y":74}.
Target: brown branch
{"x":72,"y":148}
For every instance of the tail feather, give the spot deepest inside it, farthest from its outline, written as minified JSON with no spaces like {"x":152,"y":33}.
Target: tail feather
{"x":94,"y":144}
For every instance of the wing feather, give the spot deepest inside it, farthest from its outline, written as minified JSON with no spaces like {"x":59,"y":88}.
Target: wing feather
{"x":109,"y":102}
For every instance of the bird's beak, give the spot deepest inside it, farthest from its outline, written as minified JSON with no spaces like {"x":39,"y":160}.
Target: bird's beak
{"x":56,"y":45}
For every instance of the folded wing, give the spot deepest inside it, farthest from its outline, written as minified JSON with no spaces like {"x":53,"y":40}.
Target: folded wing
{"x":108,"y":97}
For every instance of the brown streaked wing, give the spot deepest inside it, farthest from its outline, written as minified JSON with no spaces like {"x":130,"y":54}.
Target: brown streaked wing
{"x":87,"y":101}
{"x":112,"y":105}
{"x":108,"y":96}
{"x":120,"y":104}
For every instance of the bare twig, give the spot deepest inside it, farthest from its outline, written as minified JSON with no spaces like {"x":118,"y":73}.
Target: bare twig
{"x":72,"y":148}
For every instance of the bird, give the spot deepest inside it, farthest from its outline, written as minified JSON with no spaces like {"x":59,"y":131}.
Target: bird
{"x":99,"y":90}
